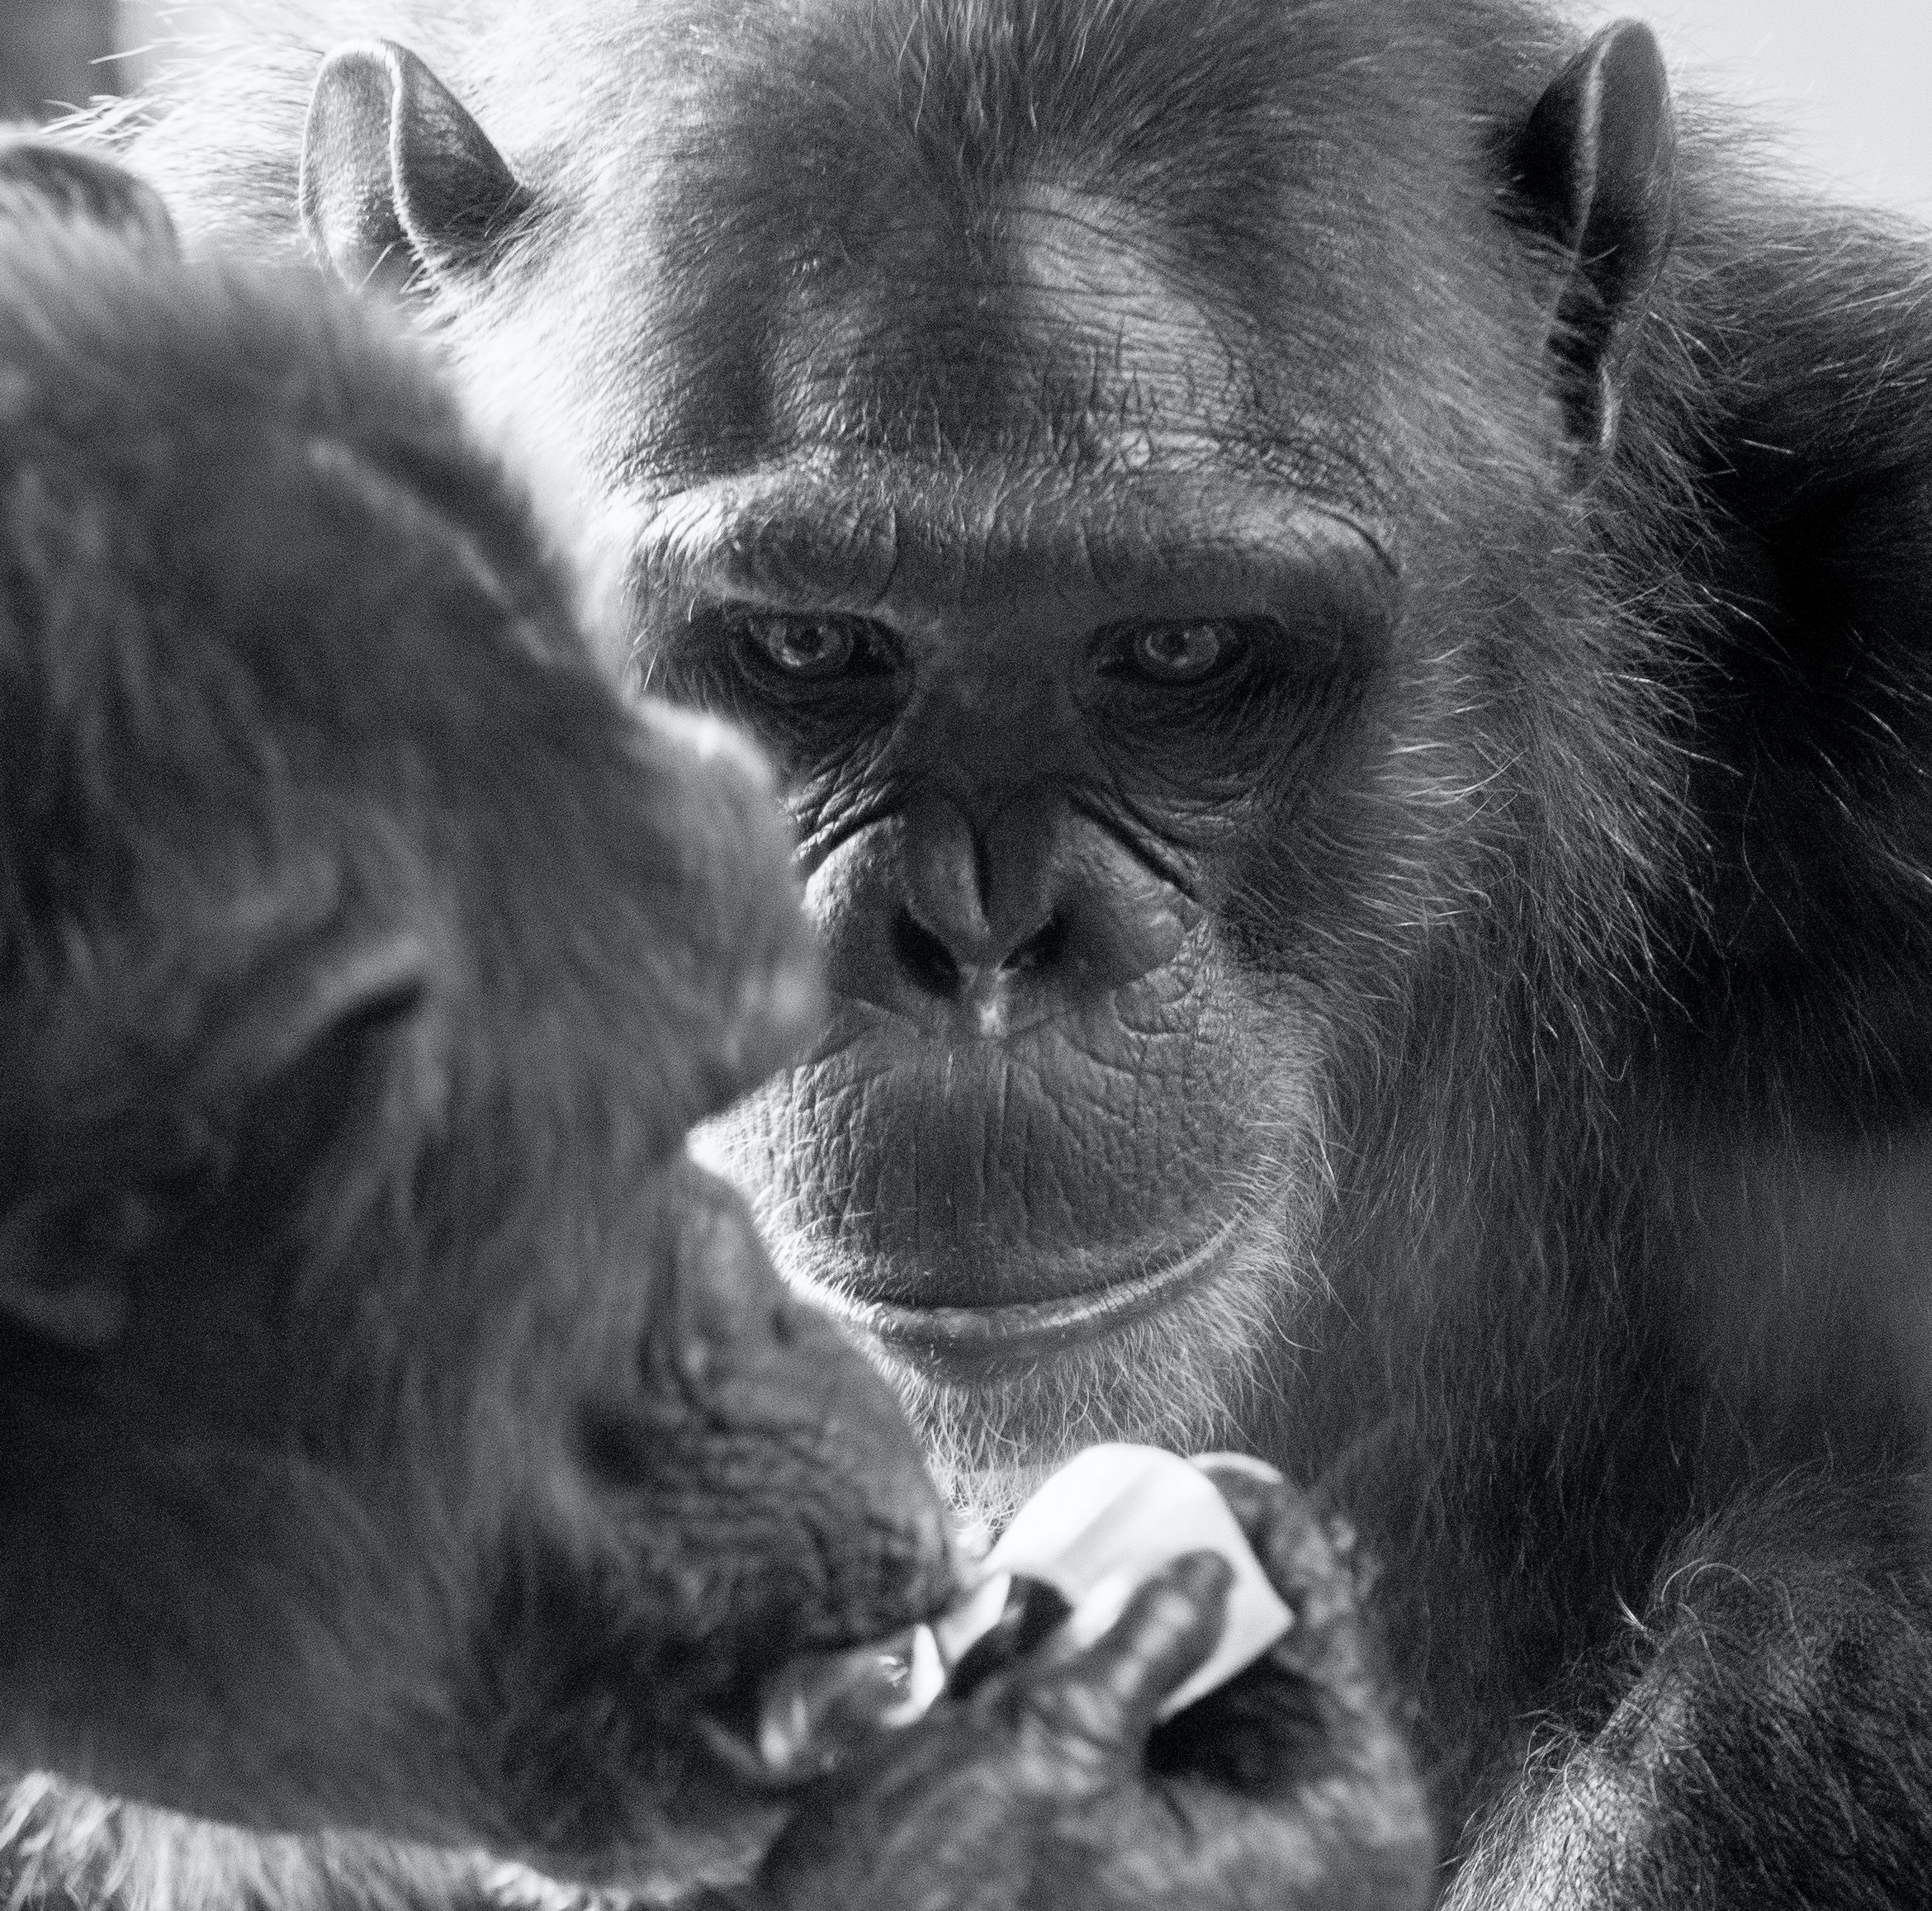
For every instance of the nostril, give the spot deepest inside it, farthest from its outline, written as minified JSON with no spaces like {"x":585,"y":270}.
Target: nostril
{"x":924,"y":957}
{"x":1041,"y":950}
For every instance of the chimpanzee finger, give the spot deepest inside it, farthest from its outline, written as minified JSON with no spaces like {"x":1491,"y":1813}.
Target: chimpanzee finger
{"x":1099,"y":1703}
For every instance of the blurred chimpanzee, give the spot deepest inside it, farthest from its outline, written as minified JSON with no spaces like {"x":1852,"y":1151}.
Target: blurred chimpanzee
{"x":1343,"y":598}
{"x":396,"y":1430}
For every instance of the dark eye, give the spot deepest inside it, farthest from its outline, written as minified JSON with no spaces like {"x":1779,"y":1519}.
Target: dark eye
{"x":1180,"y":653}
{"x":812,"y":649}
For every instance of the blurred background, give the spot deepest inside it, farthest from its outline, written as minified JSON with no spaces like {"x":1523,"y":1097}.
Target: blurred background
{"x":1844,"y":81}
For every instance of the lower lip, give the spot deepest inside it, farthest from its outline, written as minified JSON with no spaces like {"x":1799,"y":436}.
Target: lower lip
{"x":984,"y":1336}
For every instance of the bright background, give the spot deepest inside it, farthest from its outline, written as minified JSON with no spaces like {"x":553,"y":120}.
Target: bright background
{"x":1849,"y":82}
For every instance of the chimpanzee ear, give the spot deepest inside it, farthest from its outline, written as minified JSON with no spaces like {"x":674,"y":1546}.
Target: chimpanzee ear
{"x":259,"y":1089}
{"x":41,"y":178}
{"x":1595,"y":162}
{"x":396,"y":178}
{"x":333,"y":988}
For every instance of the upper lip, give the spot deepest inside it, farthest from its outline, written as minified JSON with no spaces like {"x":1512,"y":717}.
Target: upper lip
{"x":1008,"y":1330}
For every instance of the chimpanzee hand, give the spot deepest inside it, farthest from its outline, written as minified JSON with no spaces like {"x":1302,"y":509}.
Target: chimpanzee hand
{"x":1050,"y":1785}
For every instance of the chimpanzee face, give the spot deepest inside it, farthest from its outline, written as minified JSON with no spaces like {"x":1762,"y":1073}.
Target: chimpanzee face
{"x":1050,"y":535}
{"x":1043,"y":440}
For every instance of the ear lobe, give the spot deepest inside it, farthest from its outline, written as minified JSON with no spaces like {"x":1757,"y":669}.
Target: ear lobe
{"x":40,"y":178}
{"x":1596,"y":163}
{"x":397,"y":177}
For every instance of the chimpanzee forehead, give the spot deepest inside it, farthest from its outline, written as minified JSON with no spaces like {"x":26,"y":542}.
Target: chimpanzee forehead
{"x":1048,"y":326}
{"x":1048,"y":330}
{"x":1060,"y":233}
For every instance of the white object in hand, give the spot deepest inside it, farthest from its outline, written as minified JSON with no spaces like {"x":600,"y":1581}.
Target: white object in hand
{"x":1102,"y":1526}
{"x":1096,"y":1531}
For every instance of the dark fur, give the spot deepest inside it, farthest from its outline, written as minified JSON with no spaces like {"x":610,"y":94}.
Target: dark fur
{"x":398,"y":1436}
{"x":1603,"y":1304}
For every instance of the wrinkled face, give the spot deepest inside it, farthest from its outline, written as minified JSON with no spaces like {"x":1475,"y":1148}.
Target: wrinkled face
{"x":1045,"y":533}
{"x":1069,"y":681}
{"x":399,"y":1430}
{"x":1061,"y":1121}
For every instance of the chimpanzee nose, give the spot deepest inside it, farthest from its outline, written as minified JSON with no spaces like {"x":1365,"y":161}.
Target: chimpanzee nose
{"x":968,"y":918}
{"x":1035,"y":903}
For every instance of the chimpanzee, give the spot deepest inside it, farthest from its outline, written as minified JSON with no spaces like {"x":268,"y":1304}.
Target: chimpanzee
{"x":1341,"y":596}
{"x":395,"y":1430}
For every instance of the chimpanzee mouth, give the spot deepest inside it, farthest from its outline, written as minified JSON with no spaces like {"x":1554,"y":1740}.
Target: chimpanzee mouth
{"x":775,"y":1732}
{"x":980,"y":1337}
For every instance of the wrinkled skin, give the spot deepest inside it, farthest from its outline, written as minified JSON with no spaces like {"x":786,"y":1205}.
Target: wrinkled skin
{"x":399,"y":1435}
{"x":1341,"y":602}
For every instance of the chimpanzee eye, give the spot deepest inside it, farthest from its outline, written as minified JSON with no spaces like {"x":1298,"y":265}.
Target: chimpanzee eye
{"x":812,"y":648}
{"x":1180,"y":653}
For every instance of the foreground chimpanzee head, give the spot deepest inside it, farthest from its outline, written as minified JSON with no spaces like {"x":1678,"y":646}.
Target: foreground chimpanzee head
{"x":396,"y":1430}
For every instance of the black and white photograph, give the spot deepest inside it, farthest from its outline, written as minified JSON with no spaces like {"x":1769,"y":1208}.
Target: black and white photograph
{"x":965,"y":955}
